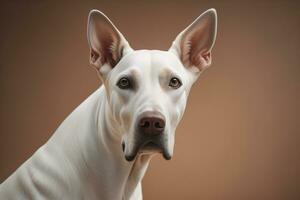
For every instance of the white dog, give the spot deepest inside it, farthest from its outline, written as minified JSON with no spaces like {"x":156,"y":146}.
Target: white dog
{"x":102,"y":150}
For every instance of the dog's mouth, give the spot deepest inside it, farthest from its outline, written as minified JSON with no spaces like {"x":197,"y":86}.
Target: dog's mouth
{"x":149,"y":146}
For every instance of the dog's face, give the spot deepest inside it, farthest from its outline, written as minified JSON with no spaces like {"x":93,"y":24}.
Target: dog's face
{"x":147,"y":93}
{"x":147,"y":90}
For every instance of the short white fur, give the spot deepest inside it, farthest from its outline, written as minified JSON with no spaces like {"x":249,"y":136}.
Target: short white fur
{"x":84,"y":159}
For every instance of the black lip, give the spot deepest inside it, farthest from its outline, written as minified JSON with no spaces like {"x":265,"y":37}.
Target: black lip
{"x":130,"y":157}
{"x":166,"y":156}
{"x":123,"y":146}
{"x":154,"y":144}
{"x":150,"y":145}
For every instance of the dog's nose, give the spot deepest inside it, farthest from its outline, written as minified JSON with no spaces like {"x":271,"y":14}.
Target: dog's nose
{"x":152,"y":123}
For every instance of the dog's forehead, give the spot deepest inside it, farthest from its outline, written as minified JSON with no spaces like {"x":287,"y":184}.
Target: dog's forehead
{"x":146,"y":60}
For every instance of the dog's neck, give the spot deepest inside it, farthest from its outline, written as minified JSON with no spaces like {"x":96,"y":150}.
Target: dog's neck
{"x":129,"y":174}
{"x":99,"y":158}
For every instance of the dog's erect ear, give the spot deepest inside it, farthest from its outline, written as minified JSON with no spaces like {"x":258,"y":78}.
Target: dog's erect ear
{"x":194,"y":44}
{"x":107,"y":44}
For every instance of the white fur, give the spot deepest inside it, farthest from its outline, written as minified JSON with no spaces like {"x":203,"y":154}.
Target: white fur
{"x":84,"y":159}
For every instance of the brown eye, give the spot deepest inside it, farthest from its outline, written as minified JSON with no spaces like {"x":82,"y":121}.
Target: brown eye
{"x":124,"y":83}
{"x":175,"y":83}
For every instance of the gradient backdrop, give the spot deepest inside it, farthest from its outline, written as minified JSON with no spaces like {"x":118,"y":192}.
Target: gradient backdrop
{"x":240,"y":137}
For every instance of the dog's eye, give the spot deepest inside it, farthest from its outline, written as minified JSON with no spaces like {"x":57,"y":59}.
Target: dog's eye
{"x":124,"y":83}
{"x":175,"y":83}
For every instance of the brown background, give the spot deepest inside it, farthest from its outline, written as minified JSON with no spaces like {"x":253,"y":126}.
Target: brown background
{"x":239,"y":138}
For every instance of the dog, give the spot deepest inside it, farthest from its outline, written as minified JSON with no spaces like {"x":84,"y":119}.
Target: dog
{"x":103,"y":148}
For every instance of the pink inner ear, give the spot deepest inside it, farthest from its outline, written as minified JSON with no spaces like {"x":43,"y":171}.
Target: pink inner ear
{"x":200,"y":60}
{"x":196,"y":44}
{"x":106,"y":50}
{"x":94,"y":56}
{"x":207,"y":57}
{"x":108,"y":44}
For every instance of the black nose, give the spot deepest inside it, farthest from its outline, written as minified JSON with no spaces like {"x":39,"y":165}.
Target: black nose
{"x":152,"y":123}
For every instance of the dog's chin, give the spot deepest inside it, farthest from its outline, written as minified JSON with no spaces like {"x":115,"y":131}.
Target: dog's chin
{"x":147,"y":148}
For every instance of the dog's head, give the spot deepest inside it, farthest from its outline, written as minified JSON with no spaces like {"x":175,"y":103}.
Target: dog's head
{"x":147,"y":90}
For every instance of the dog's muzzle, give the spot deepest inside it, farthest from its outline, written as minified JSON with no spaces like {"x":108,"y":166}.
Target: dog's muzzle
{"x":150,"y":136}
